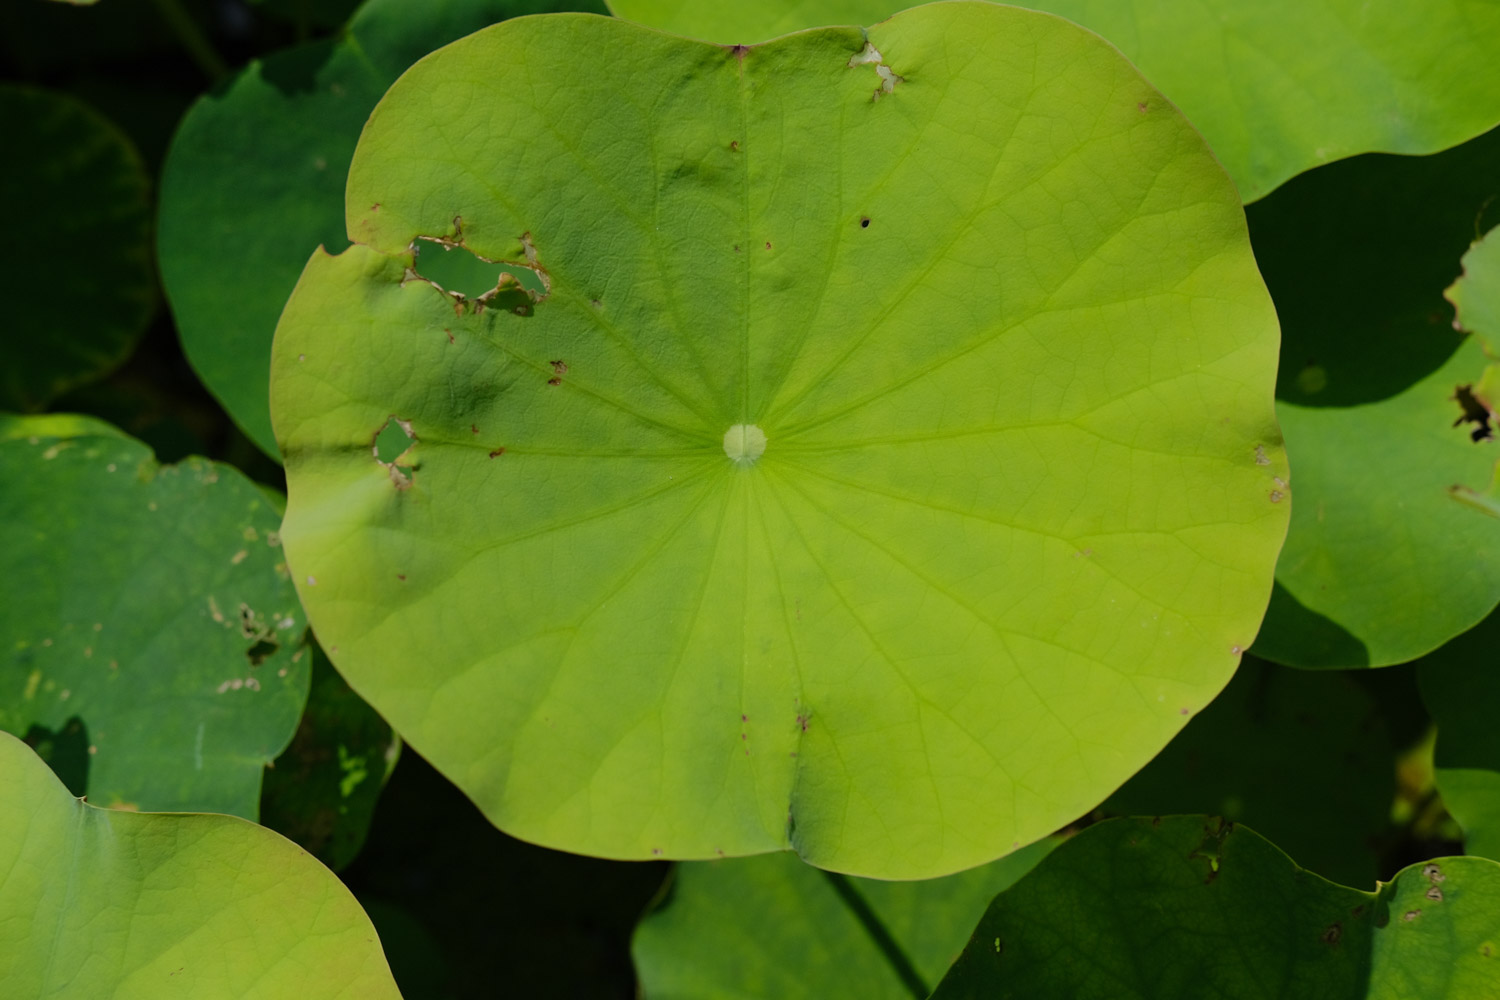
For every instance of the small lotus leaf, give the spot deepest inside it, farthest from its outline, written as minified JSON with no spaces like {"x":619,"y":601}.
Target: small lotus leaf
{"x":1276,"y":86}
{"x":155,"y":608}
{"x":1185,"y":907}
{"x":772,"y":926}
{"x":139,"y":906}
{"x":890,"y":497}
{"x":1385,"y":560}
{"x":78,"y":283}
{"x":255,"y":179}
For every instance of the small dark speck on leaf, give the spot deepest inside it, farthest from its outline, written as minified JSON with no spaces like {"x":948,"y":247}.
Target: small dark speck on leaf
{"x":554,"y":380}
{"x":401,"y":576}
{"x":1435,"y":894}
{"x":1141,"y":107}
{"x":768,"y":245}
{"x":1486,"y":950}
{"x":1182,"y":711}
{"x":375,"y":207}
{"x":864,"y":222}
{"x":1411,"y":915}
{"x":1433,"y":873}
{"x":1358,"y":911}
{"x":1332,"y":934}
{"x":559,"y":366}
{"x":744,"y":717}
{"x":597,"y":304}
{"x":497,"y":453}
{"x":656,"y":851}
{"x":736,"y":248}
{"x":473,"y":428}
{"x":450,"y":335}
{"x":734,"y":146}
{"x":1276,"y":496}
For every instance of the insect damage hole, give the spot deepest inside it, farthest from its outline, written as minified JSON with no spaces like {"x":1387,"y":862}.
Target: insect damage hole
{"x":457,"y":271}
{"x":391,"y":443}
{"x":870,"y":55}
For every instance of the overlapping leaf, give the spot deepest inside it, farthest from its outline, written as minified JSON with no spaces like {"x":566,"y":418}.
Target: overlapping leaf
{"x":101,"y":903}
{"x":255,"y":179}
{"x":1384,"y":561}
{"x":1276,"y":87}
{"x":1015,"y":501}
{"x":78,"y":284}
{"x":322,"y":790}
{"x":773,"y":927}
{"x":151,"y":604}
{"x":1187,"y":907}
{"x":1461,"y":688}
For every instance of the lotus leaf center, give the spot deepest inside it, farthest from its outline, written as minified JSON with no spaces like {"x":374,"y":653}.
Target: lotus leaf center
{"x":744,"y":443}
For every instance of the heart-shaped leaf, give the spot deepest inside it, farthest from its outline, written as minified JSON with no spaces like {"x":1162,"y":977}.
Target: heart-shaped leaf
{"x":101,"y":903}
{"x":1186,"y":907}
{"x":891,"y":497}
{"x":1276,"y":86}
{"x":774,"y":927}
{"x":156,"y":610}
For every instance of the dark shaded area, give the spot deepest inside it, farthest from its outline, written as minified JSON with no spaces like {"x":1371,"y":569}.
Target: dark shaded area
{"x":1357,"y":255}
{"x":66,"y":751}
{"x":1301,"y":757}
{"x":465,"y":911}
{"x":1293,"y":634}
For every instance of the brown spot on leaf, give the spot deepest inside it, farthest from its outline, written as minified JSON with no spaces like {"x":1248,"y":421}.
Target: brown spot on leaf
{"x":497,"y":453}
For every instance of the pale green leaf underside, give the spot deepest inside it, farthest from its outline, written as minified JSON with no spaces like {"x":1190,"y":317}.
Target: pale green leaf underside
{"x":1017,"y":509}
{"x":1185,"y":907}
{"x":140,"y":906}
{"x":1276,"y":87}
{"x":155,"y":607}
{"x":774,"y":927}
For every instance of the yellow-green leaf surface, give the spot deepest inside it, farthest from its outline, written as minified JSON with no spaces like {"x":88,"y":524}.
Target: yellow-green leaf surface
{"x":254,"y":180}
{"x":775,"y":927}
{"x":1276,"y":87}
{"x":890,"y":497}
{"x":1386,"y":560}
{"x":78,"y":280}
{"x":141,"y":906}
{"x":151,"y":603}
{"x":1185,"y":907}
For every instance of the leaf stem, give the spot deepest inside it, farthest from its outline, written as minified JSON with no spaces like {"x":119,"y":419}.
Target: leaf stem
{"x":897,"y":958}
{"x":193,"y":39}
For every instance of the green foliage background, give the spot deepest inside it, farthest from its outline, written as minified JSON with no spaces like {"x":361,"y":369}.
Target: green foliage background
{"x":183,"y":159}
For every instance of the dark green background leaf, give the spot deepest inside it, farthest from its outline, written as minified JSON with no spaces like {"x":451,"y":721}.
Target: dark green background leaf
{"x":78,"y":282}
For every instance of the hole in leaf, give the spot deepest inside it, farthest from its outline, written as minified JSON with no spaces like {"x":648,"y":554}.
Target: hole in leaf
{"x":455,"y":269}
{"x":391,"y":442}
{"x":1475,"y":411}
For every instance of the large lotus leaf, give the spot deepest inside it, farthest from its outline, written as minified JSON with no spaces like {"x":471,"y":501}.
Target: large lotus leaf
{"x":101,"y":903}
{"x":1461,"y":688}
{"x":891,"y":497}
{"x":774,"y":927}
{"x":1384,"y":561}
{"x":322,"y":790}
{"x":1276,"y":86}
{"x":152,"y":604}
{"x":78,"y":282}
{"x":255,"y":176}
{"x":1304,"y":757}
{"x":1187,"y":907}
